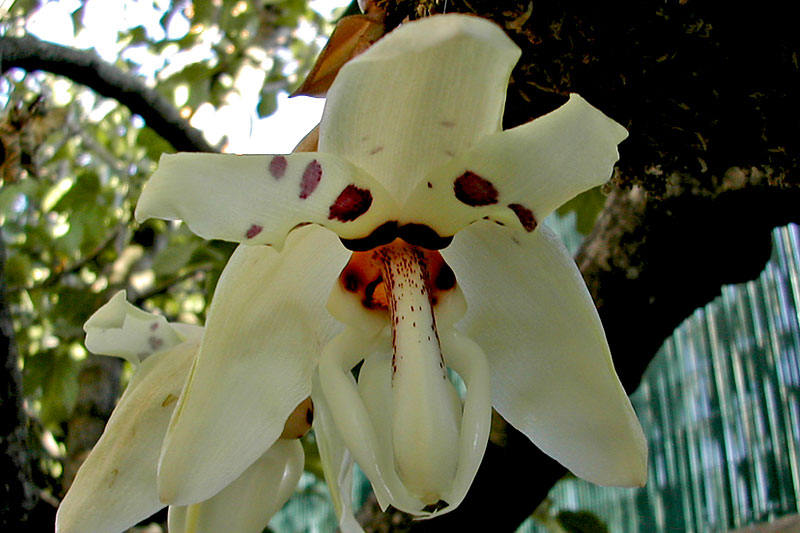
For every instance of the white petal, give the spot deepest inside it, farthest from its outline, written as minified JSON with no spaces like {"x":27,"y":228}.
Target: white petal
{"x":468,"y":360}
{"x":375,"y":389}
{"x":122,"y":329}
{"x":116,"y":486}
{"x":337,"y":463}
{"x":265,"y":330}
{"x":247,"y":504}
{"x":521,"y":175}
{"x":422,"y":94}
{"x":353,"y":421}
{"x":552,"y":374}
{"x":258,"y":199}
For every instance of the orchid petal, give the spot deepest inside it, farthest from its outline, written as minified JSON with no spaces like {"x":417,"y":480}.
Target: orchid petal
{"x":116,"y":486}
{"x":552,"y":374}
{"x":468,"y":360}
{"x":122,"y":329}
{"x":519,"y":176}
{"x":265,"y":330}
{"x":247,"y":504}
{"x":375,"y":389}
{"x":337,"y":463}
{"x":397,"y":110}
{"x":353,"y":421}
{"x":259,"y":199}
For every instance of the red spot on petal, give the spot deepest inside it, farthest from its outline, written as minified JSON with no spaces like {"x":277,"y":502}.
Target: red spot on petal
{"x":311,"y":178}
{"x":277,"y":167}
{"x":351,"y":203}
{"x":253,"y":230}
{"x":474,"y":190}
{"x":525,"y":216}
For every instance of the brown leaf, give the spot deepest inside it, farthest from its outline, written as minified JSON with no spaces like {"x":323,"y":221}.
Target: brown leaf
{"x":352,"y":36}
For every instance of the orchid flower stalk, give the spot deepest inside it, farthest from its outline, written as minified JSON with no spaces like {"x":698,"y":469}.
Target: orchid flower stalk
{"x":412,"y":241}
{"x":116,"y":486}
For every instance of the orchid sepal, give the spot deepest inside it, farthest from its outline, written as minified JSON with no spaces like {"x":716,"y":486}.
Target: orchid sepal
{"x":116,"y":486}
{"x":552,"y":374}
{"x":519,"y":176}
{"x":121,"y":329}
{"x":398,"y":110}
{"x":242,"y":389}
{"x":264,"y":196}
{"x":248,"y":503}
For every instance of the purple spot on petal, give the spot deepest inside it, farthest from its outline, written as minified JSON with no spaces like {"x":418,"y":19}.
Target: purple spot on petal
{"x":375,"y":150}
{"x":155,"y":343}
{"x":154,"y":326}
{"x":277,"y":167}
{"x":351,"y":203}
{"x":253,"y":230}
{"x":474,"y":190}
{"x":311,"y":178}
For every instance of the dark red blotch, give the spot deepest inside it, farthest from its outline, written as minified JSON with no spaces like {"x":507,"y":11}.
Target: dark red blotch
{"x":474,"y":190}
{"x":253,"y":230}
{"x":351,"y":203}
{"x":525,"y":216}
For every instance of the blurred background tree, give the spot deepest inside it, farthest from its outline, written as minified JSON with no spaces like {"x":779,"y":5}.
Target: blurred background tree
{"x":81,"y":128}
{"x":91,"y":97}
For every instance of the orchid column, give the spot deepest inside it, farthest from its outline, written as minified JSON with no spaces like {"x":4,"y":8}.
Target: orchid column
{"x":439,"y":213}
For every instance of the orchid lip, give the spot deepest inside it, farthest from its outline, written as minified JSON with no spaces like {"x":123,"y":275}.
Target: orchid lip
{"x":426,"y":409}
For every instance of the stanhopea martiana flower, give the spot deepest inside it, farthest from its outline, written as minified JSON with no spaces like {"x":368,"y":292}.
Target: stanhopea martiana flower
{"x":116,"y":485}
{"x":418,"y":222}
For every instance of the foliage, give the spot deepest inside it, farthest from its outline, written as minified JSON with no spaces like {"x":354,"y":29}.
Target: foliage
{"x":73,"y":165}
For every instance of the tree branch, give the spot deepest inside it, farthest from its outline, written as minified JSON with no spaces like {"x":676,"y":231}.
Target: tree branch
{"x":29,"y":53}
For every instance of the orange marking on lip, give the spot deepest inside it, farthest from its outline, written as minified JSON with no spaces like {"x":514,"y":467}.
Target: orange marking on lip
{"x":362,"y":276}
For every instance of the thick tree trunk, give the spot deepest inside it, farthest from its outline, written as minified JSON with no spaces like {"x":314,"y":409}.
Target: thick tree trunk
{"x":19,"y":494}
{"x":709,"y":169}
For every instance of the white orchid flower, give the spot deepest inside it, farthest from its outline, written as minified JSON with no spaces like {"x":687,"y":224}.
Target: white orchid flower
{"x":438,"y":212}
{"x":116,"y":486}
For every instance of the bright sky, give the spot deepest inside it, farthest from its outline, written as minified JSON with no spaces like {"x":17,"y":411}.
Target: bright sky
{"x":278,"y":133}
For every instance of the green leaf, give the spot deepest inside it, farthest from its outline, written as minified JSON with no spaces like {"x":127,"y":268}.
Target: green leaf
{"x":137,"y":35}
{"x":587,"y":207}
{"x":267,"y":105}
{"x":83,"y":193}
{"x":55,"y":374}
{"x":154,"y":144}
{"x":581,"y":522}
{"x":17,"y":270}
{"x":173,"y":258}
{"x":204,"y":12}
